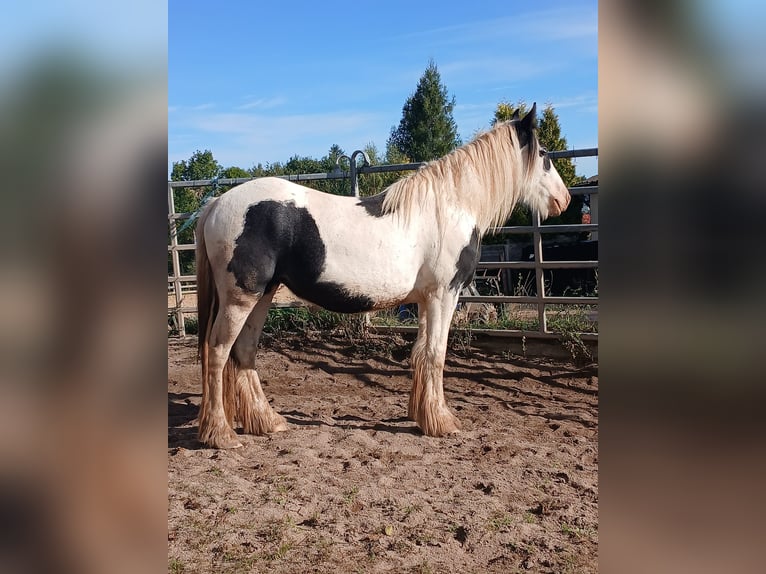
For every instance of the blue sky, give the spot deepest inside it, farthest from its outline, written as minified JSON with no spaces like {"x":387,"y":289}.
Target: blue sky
{"x":263,"y":81}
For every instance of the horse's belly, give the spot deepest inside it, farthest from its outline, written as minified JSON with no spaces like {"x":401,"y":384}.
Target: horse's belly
{"x":369,"y":277}
{"x":345,"y":298}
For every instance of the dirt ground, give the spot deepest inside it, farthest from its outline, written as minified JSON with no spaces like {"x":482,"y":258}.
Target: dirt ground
{"x":353,"y":486}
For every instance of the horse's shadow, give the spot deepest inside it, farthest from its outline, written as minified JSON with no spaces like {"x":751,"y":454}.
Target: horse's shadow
{"x":182,"y":434}
{"x":353,"y":422}
{"x":181,"y":412}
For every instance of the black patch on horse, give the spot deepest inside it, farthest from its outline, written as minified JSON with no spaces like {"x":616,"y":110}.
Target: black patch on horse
{"x":523,"y":134}
{"x":280,"y":243}
{"x":373,"y":204}
{"x":466,"y":262}
{"x":526,"y":126}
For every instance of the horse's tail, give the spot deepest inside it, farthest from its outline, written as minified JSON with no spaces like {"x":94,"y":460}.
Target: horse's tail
{"x":207,"y":311}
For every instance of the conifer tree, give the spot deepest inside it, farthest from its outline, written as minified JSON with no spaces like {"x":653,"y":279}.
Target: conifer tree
{"x":427,"y":130}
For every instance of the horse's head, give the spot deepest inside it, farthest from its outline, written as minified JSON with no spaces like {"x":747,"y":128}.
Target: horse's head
{"x":544,"y":189}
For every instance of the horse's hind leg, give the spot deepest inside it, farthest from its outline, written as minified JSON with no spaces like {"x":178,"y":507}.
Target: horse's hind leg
{"x":252,"y":407}
{"x":215,"y":428}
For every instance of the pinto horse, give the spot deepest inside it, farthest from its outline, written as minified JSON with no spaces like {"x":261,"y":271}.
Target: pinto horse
{"x":416,"y":242}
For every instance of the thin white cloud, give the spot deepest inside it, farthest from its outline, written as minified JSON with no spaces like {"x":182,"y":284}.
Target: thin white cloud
{"x":297,"y":124}
{"x":568,"y":22}
{"x":196,"y":108}
{"x":490,"y":70}
{"x":587,"y":102}
{"x":240,"y":138}
{"x":262,"y":104}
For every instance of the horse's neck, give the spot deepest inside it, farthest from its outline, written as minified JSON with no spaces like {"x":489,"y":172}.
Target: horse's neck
{"x":488,"y":198}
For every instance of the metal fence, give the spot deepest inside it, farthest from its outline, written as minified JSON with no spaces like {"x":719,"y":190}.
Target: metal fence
{"x":180,"y":285}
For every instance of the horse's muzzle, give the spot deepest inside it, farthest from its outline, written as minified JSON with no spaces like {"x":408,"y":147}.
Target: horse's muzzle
{"x":556,"y":208}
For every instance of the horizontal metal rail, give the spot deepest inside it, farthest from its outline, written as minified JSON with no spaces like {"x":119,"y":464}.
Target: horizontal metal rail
{"x":238,"y":180}
{"x":569,"y":153}
{"x":534,"y":265}
{"x":182,"y":247}
{"x":546,"y":300}
{"x":494,"y":332}
{"x":522,"y":229}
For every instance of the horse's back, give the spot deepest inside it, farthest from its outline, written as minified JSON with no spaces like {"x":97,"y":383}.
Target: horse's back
{"x":262,"y":189}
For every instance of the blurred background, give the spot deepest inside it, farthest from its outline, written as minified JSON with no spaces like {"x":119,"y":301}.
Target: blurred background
{"x":83,"y":132}
{"x":83,"y":123}
{"x":682,"y":115}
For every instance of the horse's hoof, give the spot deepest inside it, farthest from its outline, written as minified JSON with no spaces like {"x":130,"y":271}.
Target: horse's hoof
{"x":223,"y":438}
{"x":267,"y":423}
{"x":437,"y":426}
{"x":223,"y":444}
{"x":280,"y":427}
{"x":278,"y":424}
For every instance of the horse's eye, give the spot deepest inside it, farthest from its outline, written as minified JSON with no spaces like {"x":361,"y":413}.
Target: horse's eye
{"x":547,"y":163}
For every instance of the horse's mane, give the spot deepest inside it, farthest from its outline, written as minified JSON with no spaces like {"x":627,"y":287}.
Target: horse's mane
{"x":485,"y":178}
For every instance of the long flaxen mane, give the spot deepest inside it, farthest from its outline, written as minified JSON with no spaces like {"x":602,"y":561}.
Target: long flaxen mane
{"x":485,"y":178}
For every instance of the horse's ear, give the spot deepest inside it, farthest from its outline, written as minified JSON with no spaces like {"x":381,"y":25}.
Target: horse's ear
{"x":515,"y":115}
{"x":526,"y":125}
{"x":530,"y":120}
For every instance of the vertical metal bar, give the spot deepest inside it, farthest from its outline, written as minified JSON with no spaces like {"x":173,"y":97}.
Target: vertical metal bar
{"x":353,"y":170}
{"x":176,"y":262}
{"x":537,"y":242}
{"x":353,"y":176}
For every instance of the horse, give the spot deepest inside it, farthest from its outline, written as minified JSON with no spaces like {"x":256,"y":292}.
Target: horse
{"x":416,"y":242}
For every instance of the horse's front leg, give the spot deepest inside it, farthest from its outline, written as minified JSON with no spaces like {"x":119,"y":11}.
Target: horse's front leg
{"x":427,"y":404}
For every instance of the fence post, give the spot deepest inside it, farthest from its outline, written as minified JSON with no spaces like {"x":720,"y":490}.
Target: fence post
{"x":180,"y":322}
{"x":537,"y":241}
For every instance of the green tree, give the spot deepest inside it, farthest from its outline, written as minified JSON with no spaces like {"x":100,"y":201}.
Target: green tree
{"x":505,"y":110}
{"x":305,"y":164}
{"x":297,"y":164}
{"x":395,"y":155}
{"x":330,"y":160}
{"x":372,"y":183}
{"x":234,"y":172}
{"x":201,"y":165}
{"x":427,"y":130}
{"x":270,"y":169}
{"x":329,"y":164}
